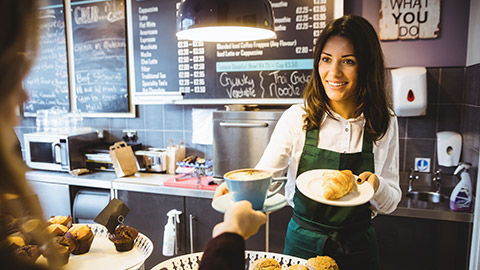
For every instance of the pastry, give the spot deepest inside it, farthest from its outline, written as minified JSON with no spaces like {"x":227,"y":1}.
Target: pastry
{"x":16,"y":239}
{"x":82,"y":236}
{"x":57,"y":229}
{"x":297,"y":267}
{"x":28,"y":253}
{"x":62,"y":220}
{"x":56,"y":253}
{"x":65,"y":241}
{"x":266,"y":264}
{"x":123,"y":237}
{"x":321,"y":263}
{"x":336,"y":184}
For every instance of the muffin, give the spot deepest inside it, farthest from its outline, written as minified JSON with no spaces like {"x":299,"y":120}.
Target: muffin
{"x":82,"y":236}
{"x":266,"y":264}
{"x":321,"y":263}
{"x":123,"y":237}
{"x":297,"y":267}
{"x":57,"y":229}
{"x":62,"y":220}
{"x":16,"y":240}
{"x":29,"y":253}
{"x":64,"y":241}
{"x":56,"y":253}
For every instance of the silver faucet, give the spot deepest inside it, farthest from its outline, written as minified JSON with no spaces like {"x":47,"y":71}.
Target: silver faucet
{"x":438,"y":179}
{"x":411,"y":178}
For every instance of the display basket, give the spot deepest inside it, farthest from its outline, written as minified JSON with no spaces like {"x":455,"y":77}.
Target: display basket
{"x":191,"y":261}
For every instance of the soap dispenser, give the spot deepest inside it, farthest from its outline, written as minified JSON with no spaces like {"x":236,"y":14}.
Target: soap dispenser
{"x":461,"y":197}
{"x":170,"y":232}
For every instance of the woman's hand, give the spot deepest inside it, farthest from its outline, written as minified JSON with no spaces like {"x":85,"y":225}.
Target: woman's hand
{"x":241,"y":219}
{"x":371,"y":178}
{"x":221,"y":190}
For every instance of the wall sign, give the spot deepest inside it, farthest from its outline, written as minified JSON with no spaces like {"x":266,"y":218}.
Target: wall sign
{"x":263,"y":71}
{"x":409,"y":19}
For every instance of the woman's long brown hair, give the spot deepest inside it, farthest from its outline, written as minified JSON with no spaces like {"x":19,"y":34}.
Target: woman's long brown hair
{"x":19,"y":24}
{"x":370,"y":92}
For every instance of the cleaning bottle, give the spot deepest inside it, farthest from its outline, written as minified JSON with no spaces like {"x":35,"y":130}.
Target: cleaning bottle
{"x":461,"y":197}
{"x":170,"y":232}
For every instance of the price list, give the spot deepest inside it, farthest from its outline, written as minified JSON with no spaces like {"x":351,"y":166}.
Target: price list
{"x":274,"y":68}
{"x":191,"y":66}
{"x":153,"y":38}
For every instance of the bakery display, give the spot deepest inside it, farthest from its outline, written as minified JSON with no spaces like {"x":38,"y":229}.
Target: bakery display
{"x":336,"y":184}
{"x":29,"y":253}
{"x":266,"y":264}
{"x":56,"y":253}
{"x":65,"y":241}
{"x":57,"y":229}
{"x":321,"y":263}
{"x":297,"y":267}
{"x":62,"y":220}
{"x":123,"y":237}
{"x":82,"y":236}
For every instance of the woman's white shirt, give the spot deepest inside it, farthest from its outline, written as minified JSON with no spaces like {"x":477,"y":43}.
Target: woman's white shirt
{"x":286,"y":146}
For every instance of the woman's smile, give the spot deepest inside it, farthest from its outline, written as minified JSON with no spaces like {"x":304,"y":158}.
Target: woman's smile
{"x":338,"y":70}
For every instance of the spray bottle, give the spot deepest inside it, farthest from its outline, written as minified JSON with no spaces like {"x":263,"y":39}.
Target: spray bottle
{"x":461,"y":197}
{"x":170,"y":232}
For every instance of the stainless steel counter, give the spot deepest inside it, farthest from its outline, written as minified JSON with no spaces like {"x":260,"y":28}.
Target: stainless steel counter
{"x":153,"y":183}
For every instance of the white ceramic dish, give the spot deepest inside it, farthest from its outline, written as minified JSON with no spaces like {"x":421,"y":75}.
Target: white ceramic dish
{"x":272,"y":204}
{"x":191,"y":261}
{"x":102,"y":254}
{"x":308,"y":182}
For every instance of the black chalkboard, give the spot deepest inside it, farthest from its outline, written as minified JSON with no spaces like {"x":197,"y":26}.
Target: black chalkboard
{"x":47,"y":82}
{"x":99,"y":55}
{"x":277,"y":68}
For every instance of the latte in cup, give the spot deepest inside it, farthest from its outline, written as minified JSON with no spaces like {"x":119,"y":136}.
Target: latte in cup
{"x":249,"y":174}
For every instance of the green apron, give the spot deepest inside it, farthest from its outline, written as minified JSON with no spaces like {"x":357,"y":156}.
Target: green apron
{"x":343,"y":233}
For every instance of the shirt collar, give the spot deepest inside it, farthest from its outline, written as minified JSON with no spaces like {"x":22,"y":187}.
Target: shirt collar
{"x":357,"y":120}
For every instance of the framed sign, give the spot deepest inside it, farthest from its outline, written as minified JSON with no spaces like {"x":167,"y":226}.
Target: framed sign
{"x":416,"y":19}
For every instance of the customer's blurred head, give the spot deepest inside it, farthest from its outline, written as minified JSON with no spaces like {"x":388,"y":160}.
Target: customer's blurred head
{"x":18,"y":47}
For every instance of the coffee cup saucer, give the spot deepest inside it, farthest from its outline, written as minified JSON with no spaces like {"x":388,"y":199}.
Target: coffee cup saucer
{"x":274,"y":203}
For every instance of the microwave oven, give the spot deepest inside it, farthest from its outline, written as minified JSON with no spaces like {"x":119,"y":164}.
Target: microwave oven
{"x":57,"y":152}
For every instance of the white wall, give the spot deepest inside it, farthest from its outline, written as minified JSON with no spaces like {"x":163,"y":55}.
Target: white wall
{"x":473,"y":46}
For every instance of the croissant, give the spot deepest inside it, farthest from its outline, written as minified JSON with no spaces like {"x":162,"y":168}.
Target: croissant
{"x":337,"y":184}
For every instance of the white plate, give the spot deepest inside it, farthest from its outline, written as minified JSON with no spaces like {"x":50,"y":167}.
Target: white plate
{"x":192,"y":260}
{"x":308,"y":182}
{"x":274,"y":203}
{"x":102,"y":253}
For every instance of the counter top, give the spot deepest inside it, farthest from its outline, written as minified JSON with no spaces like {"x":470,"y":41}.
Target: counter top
{"x":153,"y":183}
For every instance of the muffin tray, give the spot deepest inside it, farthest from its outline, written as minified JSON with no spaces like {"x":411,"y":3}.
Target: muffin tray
{"x":102,"y":254}
{"x":191,"y":261}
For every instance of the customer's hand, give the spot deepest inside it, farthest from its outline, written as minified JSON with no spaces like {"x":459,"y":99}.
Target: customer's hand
{"x":221,"y":190}
{"x":371,"y":178}
{"x":240,"y":218}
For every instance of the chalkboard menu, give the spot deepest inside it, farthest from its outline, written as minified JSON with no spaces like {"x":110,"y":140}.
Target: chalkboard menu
{"x":47,"y":82}
{"x":99,"y":56}
{"x":277,"y":68}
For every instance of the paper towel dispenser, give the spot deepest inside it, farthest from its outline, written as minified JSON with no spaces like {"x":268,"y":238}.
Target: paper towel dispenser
{"x":409,"y":91}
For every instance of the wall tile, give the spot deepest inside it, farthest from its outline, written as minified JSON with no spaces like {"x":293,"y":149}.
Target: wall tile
{"x":472,"y":85}
{"x":402,"y":154}
{"x":419,"y":148}
{"x":117,"y":123}
{"x":402,"y":127}
{"x":449,"y":117}
{"x":154,"y":117}
{"x":423,"y":126}
{"x":155,"y":139}
{"x":174,"y":117}
{"x":452,"y":85}
{"x":139,"y":121}
{"x":433,"y":81}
